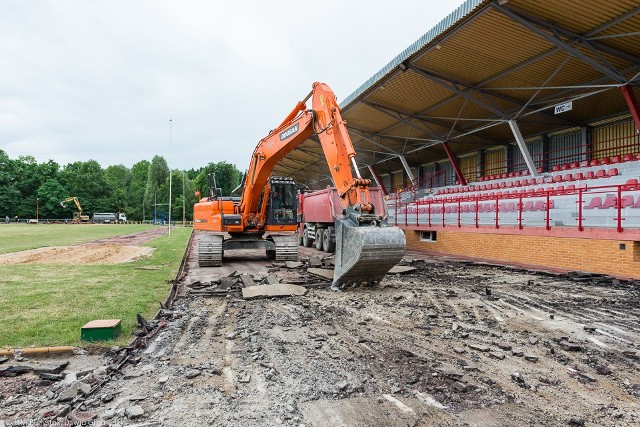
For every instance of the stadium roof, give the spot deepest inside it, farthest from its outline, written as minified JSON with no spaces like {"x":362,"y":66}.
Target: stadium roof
{"x":488,"y":63}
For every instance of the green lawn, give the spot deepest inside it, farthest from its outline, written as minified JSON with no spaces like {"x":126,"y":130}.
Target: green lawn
{"x":46,"y":305}
{"x":19,"y":237}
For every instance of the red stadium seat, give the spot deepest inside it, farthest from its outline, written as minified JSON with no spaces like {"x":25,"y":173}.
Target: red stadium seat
{"x":601,"y":173}
{"x":557,"y":178}
{"x":528,"y":206}
{"x":627,"y":201}
{"x":612,"y":172}
{"x":578,"y":176}
{"x":605,"y":161}
{"x":574,"y":165}
{"x":584,"y":163}
{"x":589,"y":175}
{"x":631,"y":184}
{"x":540,"y":180}
{"x":556,"y":168}
{"x":594,"y":162}
{"x":594,"y":203}
{"x":627,"y":157}
{"x":609,"y":202}
{"x":616,"y":159}
{"x":560,"y":189}
{"x":566,"y":166}
{"x":567,"y":177}
{"x":540,"y":170}
{"x":570,"y":188}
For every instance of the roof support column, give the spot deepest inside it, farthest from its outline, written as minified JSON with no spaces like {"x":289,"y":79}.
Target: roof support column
{"x":454,"y":162}
{"x":406,"y":168}
{"x":376,"y":178}
{"x":632,"y":102}
{"x":523,"y":148}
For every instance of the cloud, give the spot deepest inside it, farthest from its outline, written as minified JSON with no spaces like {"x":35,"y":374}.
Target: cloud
{"x":100,"y":80}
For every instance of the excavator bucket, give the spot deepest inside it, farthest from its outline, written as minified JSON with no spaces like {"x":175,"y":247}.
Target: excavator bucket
{"x":365,"y":253}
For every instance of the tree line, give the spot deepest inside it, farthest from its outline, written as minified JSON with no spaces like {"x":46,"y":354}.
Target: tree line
{"x":141,"y":192}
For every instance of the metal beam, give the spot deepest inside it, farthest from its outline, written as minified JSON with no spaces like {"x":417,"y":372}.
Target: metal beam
{"x":585,"y":38}
{"x":398,"y":116}
{"x":523,"y":148}
{"x":454,"y":162}
{"x":377,"y":179}
{"x":406,"y":168}
{"x":632,"y":102}
{"x":612,"y":74}
{"x":454,"y":88}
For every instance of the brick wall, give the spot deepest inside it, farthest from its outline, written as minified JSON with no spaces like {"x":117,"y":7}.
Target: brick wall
{"x":591,"y":255}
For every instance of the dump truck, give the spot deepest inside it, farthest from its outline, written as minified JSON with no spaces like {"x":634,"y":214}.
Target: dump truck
{"x":109,"y":218}
{"x":318,"y":211}
{"x":367,"y":247}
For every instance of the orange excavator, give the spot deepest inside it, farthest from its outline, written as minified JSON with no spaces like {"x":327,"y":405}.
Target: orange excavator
{"x":266,"y":214}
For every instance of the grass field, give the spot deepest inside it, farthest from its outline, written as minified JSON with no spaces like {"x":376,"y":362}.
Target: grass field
{"x":19,"y":237}
{"x":46,"y":305}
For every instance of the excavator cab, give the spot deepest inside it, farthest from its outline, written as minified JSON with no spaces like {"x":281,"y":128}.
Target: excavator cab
{"x":283,"y":202}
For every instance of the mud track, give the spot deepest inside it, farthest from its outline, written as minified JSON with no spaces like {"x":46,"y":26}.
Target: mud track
{"x":451,"y":343}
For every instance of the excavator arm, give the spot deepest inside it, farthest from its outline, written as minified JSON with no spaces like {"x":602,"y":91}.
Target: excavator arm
{"x":323,"y":120}
{"x":366,"y":246}
{"x":80,"y":216}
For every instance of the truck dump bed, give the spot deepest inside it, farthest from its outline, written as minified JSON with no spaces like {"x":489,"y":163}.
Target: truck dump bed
{"x":325,"y":206}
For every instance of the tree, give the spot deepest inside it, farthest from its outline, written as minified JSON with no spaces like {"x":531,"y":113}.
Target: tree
{"x":180,"y":182}
{"x":157,"y":189}
{"x":9,"y":192}
{"x":135,"y":195}
{"x":118,"y":178}
{"x":51,"y":193}
{"x":86,"y":181}
{"x":227,"y":178}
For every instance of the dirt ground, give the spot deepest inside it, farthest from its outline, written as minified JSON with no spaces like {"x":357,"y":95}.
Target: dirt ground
{"x":89,"y":253}
{"x":113,"y":250}
{"x":450,"y":343}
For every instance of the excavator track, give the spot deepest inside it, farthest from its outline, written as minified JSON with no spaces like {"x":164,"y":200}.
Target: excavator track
{"x":210,"y":251}
{"x":286,"y":246}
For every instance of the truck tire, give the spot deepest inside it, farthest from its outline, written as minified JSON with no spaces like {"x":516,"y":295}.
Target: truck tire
{"x":327,"y":245}
{"x":306,"y":241}
{"x":319,"y":234}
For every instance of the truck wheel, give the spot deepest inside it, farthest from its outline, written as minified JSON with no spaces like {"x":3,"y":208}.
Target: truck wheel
{"x":319,"y":233}
{"x":306,"y":241}
{"x":327,"y":244}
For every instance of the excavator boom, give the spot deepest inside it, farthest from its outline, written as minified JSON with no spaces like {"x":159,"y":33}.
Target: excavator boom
{"x":366,"y":245}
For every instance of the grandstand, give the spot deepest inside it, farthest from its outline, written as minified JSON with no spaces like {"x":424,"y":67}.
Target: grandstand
{"x":508,"y":132}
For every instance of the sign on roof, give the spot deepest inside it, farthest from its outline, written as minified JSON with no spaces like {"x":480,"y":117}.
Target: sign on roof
{"x":562,"y":108}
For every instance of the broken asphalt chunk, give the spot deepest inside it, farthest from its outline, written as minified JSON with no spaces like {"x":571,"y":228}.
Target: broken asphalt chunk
{"x":570,"y":346}
{"x":276,"y":290}
{"x":478,"y":347}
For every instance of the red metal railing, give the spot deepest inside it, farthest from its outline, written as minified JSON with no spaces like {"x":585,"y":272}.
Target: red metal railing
{"x":428,"y":181}
{"x":495,"y":204}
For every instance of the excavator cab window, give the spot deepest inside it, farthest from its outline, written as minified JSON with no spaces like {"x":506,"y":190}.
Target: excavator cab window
{"x":283,"y":204}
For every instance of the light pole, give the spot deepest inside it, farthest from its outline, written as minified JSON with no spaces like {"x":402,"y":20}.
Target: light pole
{"x":170,"y":143}
{"x":37,"y":209}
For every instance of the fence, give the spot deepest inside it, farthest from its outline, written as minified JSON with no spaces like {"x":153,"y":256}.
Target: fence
{"x":611,"y":206}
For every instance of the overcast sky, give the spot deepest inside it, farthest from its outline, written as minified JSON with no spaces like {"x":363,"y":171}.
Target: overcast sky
{"x":83,"y":80}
